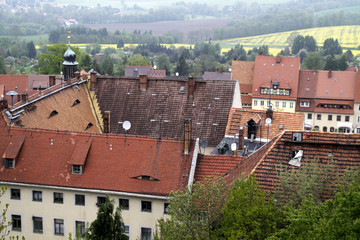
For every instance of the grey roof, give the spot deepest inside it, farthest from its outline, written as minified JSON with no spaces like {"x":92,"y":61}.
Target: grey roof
{"x":135,"y":71}
{"x":217,"y":76}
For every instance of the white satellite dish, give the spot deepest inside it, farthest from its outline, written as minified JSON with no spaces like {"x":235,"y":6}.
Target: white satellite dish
{"x":233,"y":147}
{"x":177,"y":74}
{"x":268,"y":121}
{"x":126,"y":125}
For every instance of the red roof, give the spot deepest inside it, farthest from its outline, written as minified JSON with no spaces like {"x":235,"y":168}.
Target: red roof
{"x":16,"y":83}
{"x":112,"y":162}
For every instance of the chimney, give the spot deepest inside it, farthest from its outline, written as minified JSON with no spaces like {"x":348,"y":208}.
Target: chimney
{"x":106,"y":122}
{"x":51,"y":81}
{"x":191,"y":86}
{"x":269,"y":113}
{"x":92,"y":80}
{"x":143,"y":83}
{"x":77,"y":74}
{"x":24,"y":97}
{"x":241,"y":138}
{"x":187,"y":135}
{"x":330,"y":74}
{"x":278,"y":59}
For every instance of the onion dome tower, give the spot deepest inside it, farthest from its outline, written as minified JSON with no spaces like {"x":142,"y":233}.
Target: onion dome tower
{"x":70,"y":63}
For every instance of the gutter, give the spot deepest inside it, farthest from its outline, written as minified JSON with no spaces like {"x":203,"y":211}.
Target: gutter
{"x":193,"y":164}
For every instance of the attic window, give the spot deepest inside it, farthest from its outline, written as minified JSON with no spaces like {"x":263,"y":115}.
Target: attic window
{"x":182,"y":89}
{"x":9,"y":163}
{"x":77,"y":169}
{"x":146,"y":177}
{"x":296,"y":158}
{"x":89,"y":126}
{"x":53,"y":113}
{"x":76,"y":102}
{"x":297,"y":137}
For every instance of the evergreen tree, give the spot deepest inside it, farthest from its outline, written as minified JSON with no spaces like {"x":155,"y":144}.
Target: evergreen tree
{"x":31,"y":50}
{"x":2,"y":66}
{"x":342,"y":63}
{"x":313,"y":60}
{"x":331,"y":46}
{"x":331,"y":63}
{"x":310,"y":43}
{"x":108,"y":224}
{"x":85,"y":61}
{"x":182,"y":67}
{"x":297,"y":45}
{"x":107,"y":65}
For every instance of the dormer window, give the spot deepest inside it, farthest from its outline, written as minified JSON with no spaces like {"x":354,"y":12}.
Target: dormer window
{"x":77,"y":169}
{"x":76,"y":102}
{"x":53,"y":113}
{"x":297,"y":137}
{"x":9,"y":163}
{"x":146,"y":177}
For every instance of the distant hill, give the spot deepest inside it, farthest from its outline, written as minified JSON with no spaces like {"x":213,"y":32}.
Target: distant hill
{"x":348,"y":37}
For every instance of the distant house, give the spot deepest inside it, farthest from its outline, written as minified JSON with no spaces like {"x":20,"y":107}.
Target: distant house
{"x":243,"y":72}
{"x":136,"y":71}
{"x":217,"y":75}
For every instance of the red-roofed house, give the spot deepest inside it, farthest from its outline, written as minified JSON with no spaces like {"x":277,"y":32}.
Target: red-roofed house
{"x":17,"y":83}
{"x":57,"y":177}
{"x":275,"y":83}
{"x":243,"y":72}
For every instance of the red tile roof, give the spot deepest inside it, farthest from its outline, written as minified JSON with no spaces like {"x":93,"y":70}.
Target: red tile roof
{"x":112,"y":162}
{"x":157,"y":73}
{"x":284,"y":70}
{"x":135,"y":71}
{"x":18,"y":83}
{"x":160,"y":111}
{"x":239,"y":116}
{"x":215,"y":165}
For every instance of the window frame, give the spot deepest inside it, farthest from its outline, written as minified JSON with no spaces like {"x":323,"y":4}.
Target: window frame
{"x":166,"y":208}
{"x":330,"y":117}
{"x":76,"y":169}
{"x":318,"y":116}
{"x":145,"y":206}
{"x":255,"y":102}
{"x":77,"y":203}
{"x":82,"y":228}
{"x":291,"y":105}
{"x":347,"y":118}
{"x":262,"y":103}
{"x":284,"y":104}
{"x":59,"y":227}
{"x":14,"y":192}
{"x":38,"y":222}
{"x":100,"y":200}
{"x":125,"y":206}
{"x":338,"y":118}
{"x":145,"y":229}
{"x":57,"y":199}
{"x":309,"y":116}
{"x":37,"y":196}
{"x":15,"y":222}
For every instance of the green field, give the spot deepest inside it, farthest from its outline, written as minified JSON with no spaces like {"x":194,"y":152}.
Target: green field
{"x":346,"y":10}
{"x":348,"y":37}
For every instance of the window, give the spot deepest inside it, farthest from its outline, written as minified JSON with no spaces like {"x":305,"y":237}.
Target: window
{"x":79,"y":199}
{"x":145,"y":206}
{"x":318,"y":116}
{"x":284,"y":104}
{"x":255,"y":102}
{"x":324,"y":129}
{"x":304,"y":104}
{"x":80,"y":227}
{"x":330,"y":117}
{"x":359,"y":108}
{"x":76,"y":102}
{"x":59,"y":226}
{"x":277,"y":104}
{"x":145,"y":233}
{"x":347,"y":118}
{"x":338,"y":118}
{"x":332,"y":129}
{"x":53,"y":113}
{"x":262,"y":103}
{"x":100,"y":201}
{"x":76,"y":169}
{"x":166,"y":208}
{"x":58,"y":197}
{"x":9,"y":163}
{"x":127,"y":230}
{"x":297,"y":137}
{"x":37,"y":196}
{"x":291,"y":104}
{"x":287,"y":92}
{"x":309,"y":116}
{"x":358,"y":119}
{"x":124,"y":204}
{"x":15,"y":194}
{"x":357,"y":130}
{"x":16,"y":222}
{"x":38,"y":224}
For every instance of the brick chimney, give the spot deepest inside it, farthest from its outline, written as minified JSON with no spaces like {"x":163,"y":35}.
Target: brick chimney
{"x":187,"y":135}
{"x":191,"y":86}
{"x":278,"y":59}
{"x":241,"y":138}
{"x":330,"y":74}
{"x":92,"y":81}
{"x":106,"y":121}
{"x":51,"y":81}
{"x":143,"y":82}
{"x":24,"y":97}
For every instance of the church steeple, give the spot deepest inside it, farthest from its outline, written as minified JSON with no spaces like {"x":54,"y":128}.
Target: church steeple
{"x":70,"y":63}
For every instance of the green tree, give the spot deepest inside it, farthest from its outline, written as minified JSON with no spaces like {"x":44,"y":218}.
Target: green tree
{"x":2,"y":66}
{"x":182,"y":67}
{"x":248,"y":214}
{"x":31,"y":49}
{"x":331,"y":47}
{"x":298,"y":44}
{"x":85,"y":62}
{"x":163,"y":62}
{"x":342,"y":63}
{"x":310,"y":43}
{"x":107,"y":65}
{"x":108,"y":224}
{"x":138,"y":60}
{"x":331,"y":63}
{"x":4,"y":223}
{"x":349,"y":56}
{"x":51,"y":62}
{"x":313,"y":60}
{"x":195,"y":213}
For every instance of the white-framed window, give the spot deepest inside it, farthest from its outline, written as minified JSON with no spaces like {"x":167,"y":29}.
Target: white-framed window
{"x":309,"y":116}
{"x":304,"y":104}
{"x":291,"y":105}
{"x":357,"y":130}
{"x":76,"y":169}
{"x":262,"y":103}
{"x":166,"y":208}
{"x":145,"y":206}
{"x":80,"y":199}
{"x":255,"y":102}
{"x":277,"y":104}
{"x":9,"y":163}
{"x":124,"y":203}
{"x":284,"y":104}
{"x":127,"y":230}
{"x":100,"y":200}
{"x":358,"y":119}
{"x":58,"y":197}
{"x":79,"y":227}
{"x":37,"y":196}
{"x":58,"y":226}
{"x":37,"y":224}
{"x":15,"y":194}
{"x":145,"y":233}
{"x":16,"y":223}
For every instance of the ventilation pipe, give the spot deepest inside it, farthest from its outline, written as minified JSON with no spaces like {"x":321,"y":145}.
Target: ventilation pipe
{"x":106,"y":122}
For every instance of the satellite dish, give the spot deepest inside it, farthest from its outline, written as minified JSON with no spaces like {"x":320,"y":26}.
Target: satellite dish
{"x":268,"y":121}
{"x":126,"y":125}
{"x":204,"y":143}
{"x":177,"y":74}
{"x":233,"y":147}
{"x":155,"y":67}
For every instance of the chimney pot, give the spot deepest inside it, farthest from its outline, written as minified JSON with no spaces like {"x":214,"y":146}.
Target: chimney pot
{"x":330,"y":74}
{"x":51,"y":81}
{"x":241,"y":138}
{"x":107,"y":122}
{"x":143,"y":82}
{"x":24,"y":97}
{"x":191,"y":86}
{"x":92,"y":80}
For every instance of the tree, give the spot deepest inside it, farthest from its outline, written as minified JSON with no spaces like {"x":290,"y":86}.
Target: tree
{"x":2,"y":66}
{"x":163,"y":62}
{"x":138,"y":60}
{"x":349,"y":56}
{"x":331,"y":63}
{"x":51,"y":62}
{"x":107,"y":65}
{"x":331,"y":47}
{"x":108,"y":224}
{"x":54,"y":37}
{"x":182,"y":67}
{"x":31,"y":49}
{"x":248,"y":214}
{"x":313,"y":60}
{"x":298,"y":44}
{"x":310,"y":43}
{"x":85,"y":62}
{"x":195,"y":213}
{"x":4,"y":223}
